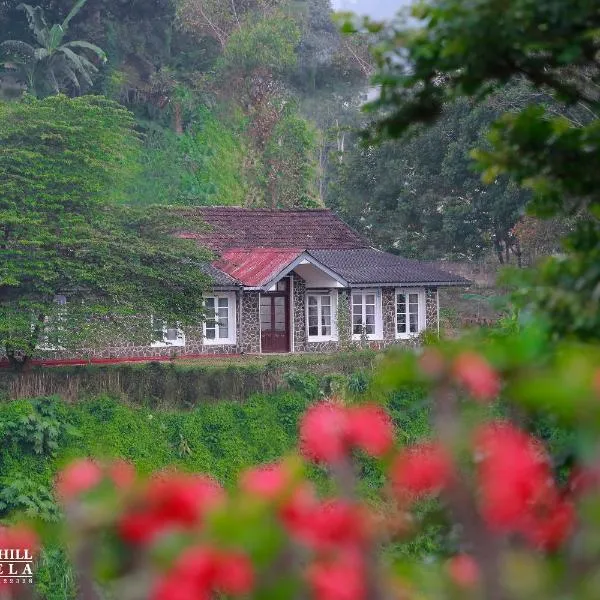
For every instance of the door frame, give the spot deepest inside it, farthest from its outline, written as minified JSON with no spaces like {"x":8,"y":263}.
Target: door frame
{"x":289,"y":326}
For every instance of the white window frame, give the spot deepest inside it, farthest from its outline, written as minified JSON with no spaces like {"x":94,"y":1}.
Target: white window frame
{"x":421,"y":315}
{"x":231,"y":319}
{"x":165,"y":343}
{"x":378,"y":335}
{"x":333,"y":299}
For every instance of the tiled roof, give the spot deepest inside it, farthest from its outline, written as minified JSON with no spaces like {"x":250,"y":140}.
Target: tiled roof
{"x":254,"y":267}
{"x":219,"y":278}
{"x":368,"y":266}
{"x":233,"y":227}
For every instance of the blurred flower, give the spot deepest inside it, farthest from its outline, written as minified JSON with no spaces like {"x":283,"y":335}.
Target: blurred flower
{"x":549,"y":530}
{"x":76,"y":478}
{"x":121,"y":473}
{"x":370,"y":429}
{"x":513,"y":472}
{"x":323,"y":432}
{"x":422,"y":469}
{"x":267,"y":481}
{"x":463,"y":570}
{"x":170,"y":500}
{"x":339,"y":578}
{"x":474,"y":373}
{"x":201,"y":570}
{"x":235,"y":575}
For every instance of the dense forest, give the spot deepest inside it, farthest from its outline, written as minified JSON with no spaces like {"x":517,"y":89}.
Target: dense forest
{"x":259,"y":103}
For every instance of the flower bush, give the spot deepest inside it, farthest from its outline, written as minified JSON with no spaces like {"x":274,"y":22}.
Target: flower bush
{"x":521,"y":528}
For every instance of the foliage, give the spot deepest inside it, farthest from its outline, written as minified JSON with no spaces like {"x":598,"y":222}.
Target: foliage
{"x":54,"y":65}
{"x":289,"y":157}
{"x":263,"y":44}
{"x":22,"y":495}
{"x":40,"y":431}
{"x":202,"y":166}
{"x":422,"y":199}
{"x":467,"y":51}
{"x":511,"y":521}
{"x":62,"y":161}
{"x":178,"y":384}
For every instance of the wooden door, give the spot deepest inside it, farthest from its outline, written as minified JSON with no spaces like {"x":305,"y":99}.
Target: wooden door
{"x":275,"y":322}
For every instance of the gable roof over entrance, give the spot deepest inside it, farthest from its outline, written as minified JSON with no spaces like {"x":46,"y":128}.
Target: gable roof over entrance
{"x":254,"y":267}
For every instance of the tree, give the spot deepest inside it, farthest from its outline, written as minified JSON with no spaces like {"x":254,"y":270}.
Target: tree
{"x":468,"y":50}
{"x":422,"y":198}
{"x":63,"y":162}
{"x":54,"y":65}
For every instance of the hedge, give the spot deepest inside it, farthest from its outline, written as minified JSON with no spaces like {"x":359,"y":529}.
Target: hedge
{"x":178,"y":384}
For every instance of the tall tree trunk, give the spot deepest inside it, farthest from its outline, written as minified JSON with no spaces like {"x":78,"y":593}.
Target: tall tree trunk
{"x":518,"y":253}
{"x":177,"y":118}
{"x":498,"y":248}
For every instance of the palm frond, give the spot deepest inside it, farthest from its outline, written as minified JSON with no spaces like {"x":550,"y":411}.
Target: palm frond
{"x":69,"y":74}
{"x":79,"y":63}
{"x":16,"y":51}
{"x":37,"y":22}
{"x":76,"y":8}
{"x":55,"y":37}
{"x":87,"y":46}
{"x":50,"y":77}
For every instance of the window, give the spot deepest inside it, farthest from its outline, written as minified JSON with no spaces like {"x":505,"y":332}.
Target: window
{"x":166,"y":334}
{"x":410,"y":312}
{"x":320,"y":316}
{"x":219,"y":327}
{"x":366,"y":314}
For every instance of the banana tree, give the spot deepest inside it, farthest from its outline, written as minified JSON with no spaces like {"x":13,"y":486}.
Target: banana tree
{"x":54,"y":65}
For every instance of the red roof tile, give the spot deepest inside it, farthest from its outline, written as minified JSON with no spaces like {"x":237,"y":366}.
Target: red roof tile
{"x":233,"y":227}
{"x":254,"y":267}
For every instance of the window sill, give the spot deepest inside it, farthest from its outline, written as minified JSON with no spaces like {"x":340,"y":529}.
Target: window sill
{"x":408,"y":336}
{"x":219,"y":342}
{"x":374,"y":337}
{"x":316,"y":338}
{"x":177,"y":344}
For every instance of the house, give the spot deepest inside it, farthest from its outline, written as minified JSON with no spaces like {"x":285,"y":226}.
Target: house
{"x":295,"y":281}
{"x":304,"y":281}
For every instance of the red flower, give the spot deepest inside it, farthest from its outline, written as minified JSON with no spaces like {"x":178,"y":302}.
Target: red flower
{"x":514,"y":475}
{"x":201,"y":570}
{"x":171,"y":587}
{"x":297,"y":511}
{"x":370,"y":428}
{"x":235,"y":574}
{"x":77,"y":478}
{"x":463,"y":570}
{"x":171,"y":500}
{"x":268,"y":482}
{"x":323,"y":432}
{"x":121,"y":473}
{"x":423,"y":469}
{"x":549,"y":530}
{"x":198,"y":565}
{"x":342,"y":578}
{"x":477,"y":376}
{"x":335,"y":524}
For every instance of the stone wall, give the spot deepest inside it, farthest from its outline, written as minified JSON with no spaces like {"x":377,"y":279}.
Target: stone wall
{"x":299,"y":312}
{"x":431,"y":308}
{"x":250,"y":322}
{"x":248,"y":330}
